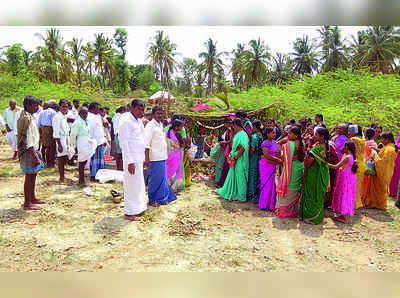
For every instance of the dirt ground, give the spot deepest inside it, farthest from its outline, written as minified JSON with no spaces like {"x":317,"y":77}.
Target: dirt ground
{"x":198,"y":232}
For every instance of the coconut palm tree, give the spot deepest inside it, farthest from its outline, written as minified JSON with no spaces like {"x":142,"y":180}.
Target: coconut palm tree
{"x":53,"y":41}
{"x":333,"y":49}
{"x":65,"y":69}
{"x":89,"y":61}
{"x":305,"y":56}
{"x":255,"y":61}
{"x":237,"y":68}
{"x":211,"y":64}
{"x":77,"y":53}
{"x":282,"y":69}
{"x":379,"y":48}
{"x":100,"y":50}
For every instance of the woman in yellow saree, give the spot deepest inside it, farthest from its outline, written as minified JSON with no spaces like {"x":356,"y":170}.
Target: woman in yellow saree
{"x":355,"y":135}
{"x":377,"y":189}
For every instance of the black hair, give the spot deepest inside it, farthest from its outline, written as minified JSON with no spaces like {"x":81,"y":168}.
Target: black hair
{"x":257,"y":124}
{"x":177,"y":116}
{"x":297,"y":131}
{"x":62,"y":100}
{"x":122,"y":108}
{"x":106,"y":108}
{"x":101,"y":109}
{"x":227,"y":120}
{"x":117,"y":110}
{"x":165,"y":123}
{"x":379,"y":126}
{"x":93,"y":105}
{"x":137,"y":103}
{"x":352,"y":148}
{"x":54,"y":106}
{"x":388,"y":136}
{"x":156,"y":109}
{"x":359,"y":132}
{"x":320,"y":116}
{"x":176,"y":123}
{"x":271,"y":120}
{"x":30,"y":101}
{"x":240,"y":114}
{"x":292,"y":121}
{"x":370,"y":133}
{"x":237,"y":122}
{"x":322,"y":131}
{"x":267,"y":131}
{"x":75,"y":100}
{"x":128,"y":106}
{"x":85,"y":104}
{"x":308,"y":119}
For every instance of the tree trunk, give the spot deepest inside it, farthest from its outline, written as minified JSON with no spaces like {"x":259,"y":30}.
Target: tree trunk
{"x":90,"y":75}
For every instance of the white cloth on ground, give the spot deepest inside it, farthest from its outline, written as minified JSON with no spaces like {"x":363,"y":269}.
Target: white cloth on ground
{"x":135,"y":201}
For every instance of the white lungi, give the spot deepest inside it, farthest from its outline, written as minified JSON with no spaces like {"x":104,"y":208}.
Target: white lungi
{"x":135,"y":201}
{"x":12,"y":140}
{"x":86,"y":148}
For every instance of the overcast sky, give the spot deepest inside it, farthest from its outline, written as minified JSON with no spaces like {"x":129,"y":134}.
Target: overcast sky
{"x":189,"y":39}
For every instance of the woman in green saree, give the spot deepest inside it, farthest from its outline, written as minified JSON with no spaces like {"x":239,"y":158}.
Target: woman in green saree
{"x":255,"y":152}
{"x":235,"y":186}
{"x":316,"y":179}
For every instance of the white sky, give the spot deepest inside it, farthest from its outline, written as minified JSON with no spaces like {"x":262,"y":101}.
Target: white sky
{"x":189,"y":39}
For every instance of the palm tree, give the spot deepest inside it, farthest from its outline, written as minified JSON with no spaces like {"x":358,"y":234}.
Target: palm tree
{"x":77,"y":53}
{"x":333,"y":49}
{"x":100,"y":50}
{"x":161,"y":55}
{"x":282,"y":69}
{"x":89,"y":61}
{"x":305,"y":56}
{"x":65,"y":69}
{"x":237,"y":68}
{"x":211,"y":64}
{"x":379,"y":48}
{"x":255,"y":62}
{"x":53,"y":41}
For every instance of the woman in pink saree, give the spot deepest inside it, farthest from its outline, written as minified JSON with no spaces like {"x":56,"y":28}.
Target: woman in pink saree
{"x":174,"y":162}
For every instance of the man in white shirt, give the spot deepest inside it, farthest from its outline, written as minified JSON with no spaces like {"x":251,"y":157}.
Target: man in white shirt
{"x":130,"y":133}
{"x":28,"y":145}
{"x":121,"y":110}
{"x":61,"y":136}
{"x":9,"y":118}
{"x":156,"y":155}
{"x":75,"y":107}
{"x":96,"y":132}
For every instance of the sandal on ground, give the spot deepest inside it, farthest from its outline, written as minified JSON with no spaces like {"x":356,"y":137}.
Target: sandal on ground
{"x":132,"y":217}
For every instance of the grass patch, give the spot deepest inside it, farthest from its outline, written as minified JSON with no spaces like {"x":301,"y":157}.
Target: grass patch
{"x":395,"y":214}
{"x":151,"y":216}
{"x":10,"y":172}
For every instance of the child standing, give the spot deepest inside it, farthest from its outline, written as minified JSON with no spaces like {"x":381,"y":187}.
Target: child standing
{"x":345,"y":192}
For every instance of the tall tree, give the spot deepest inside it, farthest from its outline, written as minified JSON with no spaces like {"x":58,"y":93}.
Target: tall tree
{"x":256,"y":60}
{"x":237,"y":68}
{"x":77,"y":53}
{"x":121,"y":40}
{"x":379,"y":48}
{"x":333,"y":49}
{"x":188,"y":69}
{"x":212,"y":63}
{"x":282,"y":69}
{"x":305,"y":56}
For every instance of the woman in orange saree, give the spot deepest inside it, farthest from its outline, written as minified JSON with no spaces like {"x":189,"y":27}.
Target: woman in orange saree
{"x":377,"y":189}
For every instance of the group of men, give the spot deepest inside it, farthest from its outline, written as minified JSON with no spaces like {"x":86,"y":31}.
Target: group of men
{"x":86,"y":132}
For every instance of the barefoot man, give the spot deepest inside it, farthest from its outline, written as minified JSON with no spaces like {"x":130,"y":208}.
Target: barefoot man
{"x":156,"y":155}
{"x":130,"y":134}
{"x":9,"y":118}
{"x":61,"y":136}
{"x":80,"y":138}
{"x":28,"y":145}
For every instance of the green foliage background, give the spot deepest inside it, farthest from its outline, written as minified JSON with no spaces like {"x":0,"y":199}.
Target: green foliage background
{"x":358,"y":96}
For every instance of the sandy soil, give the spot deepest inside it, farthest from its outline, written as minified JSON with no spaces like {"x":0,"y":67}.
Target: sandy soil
{"x":198,"y":232}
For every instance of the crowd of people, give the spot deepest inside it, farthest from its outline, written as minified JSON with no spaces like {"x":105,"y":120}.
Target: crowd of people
{"x":302,"y":168}
{"x":294,"y":171}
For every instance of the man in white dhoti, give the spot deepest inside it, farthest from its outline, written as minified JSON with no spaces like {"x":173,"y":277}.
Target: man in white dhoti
{"x":80,"y":138}
{"x":9,"y":119}
{"x":61,"y":136}
{"x":130,"y":134}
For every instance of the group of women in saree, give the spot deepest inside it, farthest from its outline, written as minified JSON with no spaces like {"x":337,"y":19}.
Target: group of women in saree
{"x":291,"y":177}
